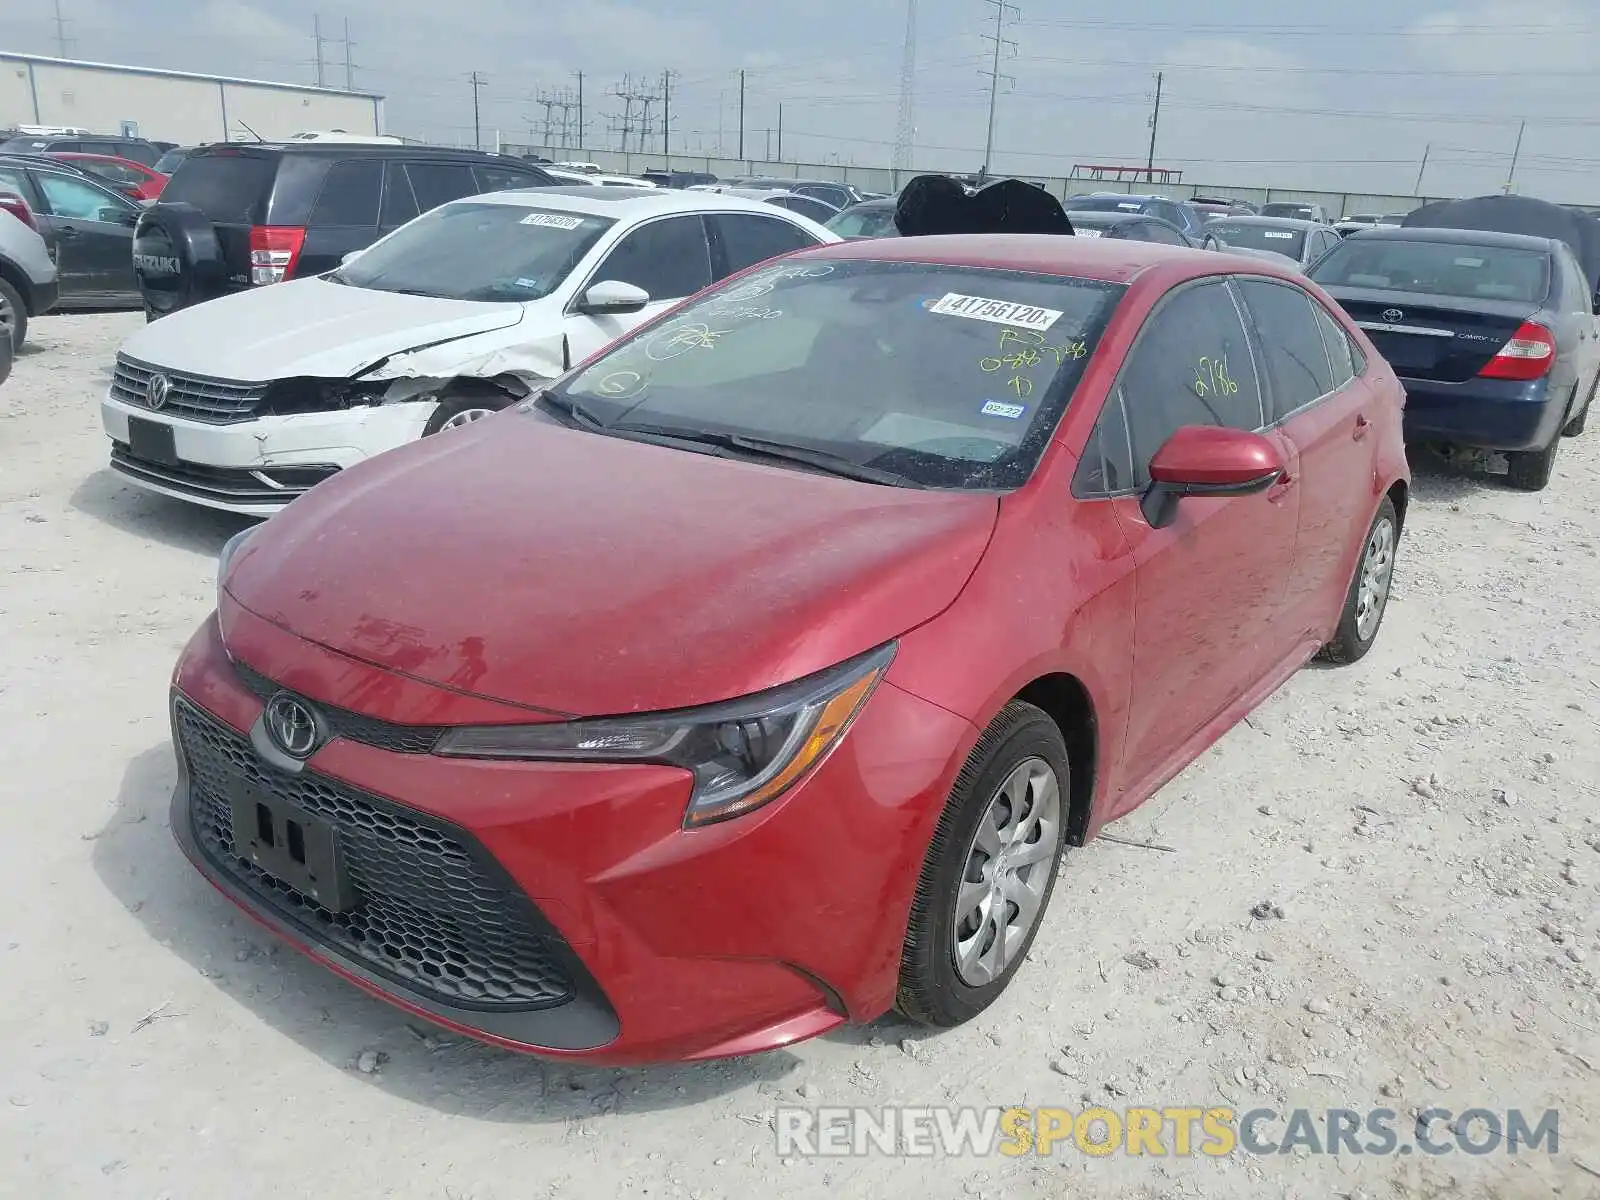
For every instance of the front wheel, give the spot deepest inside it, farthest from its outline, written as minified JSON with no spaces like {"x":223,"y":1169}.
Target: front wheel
{"x":13,"y":315}
{"x":457,"y":409}
{"x":1368,"y":598}
{"x":989,"y":872}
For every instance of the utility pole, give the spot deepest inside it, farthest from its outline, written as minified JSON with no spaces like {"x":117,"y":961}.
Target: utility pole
{"x":63,"y":42}
{"x":316,"y":35}
{"x":1516,"y":154}
{"x":780,"y":131}
{"x":349,"y":63}
{"x":1155,"y":122}
{"x":666,"y":113}
{"x":478,"y":84}
{"x":1000,"y":8}
{"x":1426,"y":150}
{"x":580,"y":110}
{"x":905,"y":121}
{"x":741,"y":113}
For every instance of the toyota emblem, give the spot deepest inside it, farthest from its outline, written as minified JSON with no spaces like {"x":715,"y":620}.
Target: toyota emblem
{"x":1391,"y":315}
{"x":156,"y":389}
{"x":292,"y":726}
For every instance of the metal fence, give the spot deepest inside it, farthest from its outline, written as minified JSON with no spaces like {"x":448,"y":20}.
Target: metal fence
{"x":883,"y":179}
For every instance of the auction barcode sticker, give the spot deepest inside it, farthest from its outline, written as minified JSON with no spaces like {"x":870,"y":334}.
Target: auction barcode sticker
{"x":1276,"y":233}
{"x":553,"y":220}
{"x":1001,"y":312}
{"x":1087,"y":232}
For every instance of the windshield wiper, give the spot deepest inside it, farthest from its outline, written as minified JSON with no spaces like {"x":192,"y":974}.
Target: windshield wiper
{"x":744,"y":445}
{"x":571,"y":410}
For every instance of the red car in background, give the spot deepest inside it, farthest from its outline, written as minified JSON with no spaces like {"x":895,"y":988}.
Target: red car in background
{"x":754,"y":676}
{"x":132,"y":179}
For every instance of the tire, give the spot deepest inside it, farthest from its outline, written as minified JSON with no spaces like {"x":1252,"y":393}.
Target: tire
{"x":1530,"y":470}
{"x":463,"y":407}
{"x":5,"y":358}
{"x":13,"y":313}
{"x":1358,"y":623}
{"x":1581,"y":419}
{"x":1024,"y":744}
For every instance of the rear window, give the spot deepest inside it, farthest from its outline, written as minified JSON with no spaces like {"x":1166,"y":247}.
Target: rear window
{"x":1438,"y":269}
{"x":226,"y":187}
{"x":1105,"y":204}
{"x":865,"y":223}
{"x":171,"y":161}
{"x":1258,"y":237}
{"x":1300,"y":212}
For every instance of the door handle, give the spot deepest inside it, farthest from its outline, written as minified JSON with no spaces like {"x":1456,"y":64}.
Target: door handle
{"x":1362,"y":425}
{"x":68,"y":231}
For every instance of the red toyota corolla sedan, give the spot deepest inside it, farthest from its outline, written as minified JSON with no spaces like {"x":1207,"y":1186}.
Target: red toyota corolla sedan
{"x":754,"y":676}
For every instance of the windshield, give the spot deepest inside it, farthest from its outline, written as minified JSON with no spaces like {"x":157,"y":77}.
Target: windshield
{"x":477,"y":251}
{"x":1437,"y":269}
{"x":1104,"y":204}
{"x":1300,"y":212}
{"x":865,"y":222}
{"x":950,"y":377}
{"x":1258,"y":237}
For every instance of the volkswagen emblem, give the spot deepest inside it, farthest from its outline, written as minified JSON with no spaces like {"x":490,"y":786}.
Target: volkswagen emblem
{"x":292,"y":726}
{"x":156,"y":389}
{"x":1392,"y":315}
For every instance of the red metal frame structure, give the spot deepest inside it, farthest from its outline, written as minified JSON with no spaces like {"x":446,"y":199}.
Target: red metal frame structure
{"x":1125,"y":174}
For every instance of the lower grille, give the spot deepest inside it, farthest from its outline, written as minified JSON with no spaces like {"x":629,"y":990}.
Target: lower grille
{"x":237,"y":485}
{"x":429,"y":912}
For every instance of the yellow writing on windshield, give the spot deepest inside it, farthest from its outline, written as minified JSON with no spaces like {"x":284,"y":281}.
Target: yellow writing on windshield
{"x":1021,"y":350}
{"x":1211,"y":377}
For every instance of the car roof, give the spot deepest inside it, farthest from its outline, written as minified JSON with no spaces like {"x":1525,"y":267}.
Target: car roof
{"x":1110,"y":261}
{"x":1460,"y":237}
{"x":40,"y":162}
{"x":1090,"y":217}
{"x":621,"y":202}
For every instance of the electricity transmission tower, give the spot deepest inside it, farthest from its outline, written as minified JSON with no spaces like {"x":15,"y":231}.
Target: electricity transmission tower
{"x":560,"y":113}
{"x":635,"y":122}
{"x":905,"y":123}
{"x":1001,"y":8}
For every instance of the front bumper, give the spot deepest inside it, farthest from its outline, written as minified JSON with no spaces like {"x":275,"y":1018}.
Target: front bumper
{"x":255,"y":467}
{"x":45,"y":297}
{"x":1490,"y":414}
{"x":616,"y":935}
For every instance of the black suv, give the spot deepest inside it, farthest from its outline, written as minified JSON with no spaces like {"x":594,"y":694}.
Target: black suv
{"x":137,"y":149}
{"x":240,"y":215}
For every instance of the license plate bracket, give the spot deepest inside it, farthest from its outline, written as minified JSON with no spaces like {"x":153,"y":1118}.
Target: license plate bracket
{"x":292,"y":846}
{"x":152,"y":441}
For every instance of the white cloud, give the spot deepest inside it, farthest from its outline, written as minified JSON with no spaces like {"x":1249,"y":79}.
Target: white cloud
{"x":1527,"y":36}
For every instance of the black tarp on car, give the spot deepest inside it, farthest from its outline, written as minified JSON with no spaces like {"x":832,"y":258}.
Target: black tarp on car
{"x":1517,"y":214}
{"x":934,"y":204}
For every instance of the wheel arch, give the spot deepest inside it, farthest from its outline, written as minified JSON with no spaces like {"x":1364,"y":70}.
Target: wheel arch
{"x":12,"y":274}
{"x":1399,"y":494}
{"x":1066,"y":701}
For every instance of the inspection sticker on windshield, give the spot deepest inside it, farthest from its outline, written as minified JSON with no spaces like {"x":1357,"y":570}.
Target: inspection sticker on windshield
{"x":552,"y":220}
{"x":1276,"y":233}
{"x":1001,"y":312}
{"x":998,"y":408}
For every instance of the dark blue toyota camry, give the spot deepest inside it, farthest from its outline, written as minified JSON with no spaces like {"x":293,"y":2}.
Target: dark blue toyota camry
{"x":1493,"y":335}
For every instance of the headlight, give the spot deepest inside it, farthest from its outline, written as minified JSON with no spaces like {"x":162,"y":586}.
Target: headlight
{"x":230,"y":548}
{"x":742,"y":753}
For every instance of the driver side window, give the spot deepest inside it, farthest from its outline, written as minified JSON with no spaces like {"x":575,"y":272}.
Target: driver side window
{"x":73,"y":199}
{"x":1192,"y":365}
{"x":669,"y":259}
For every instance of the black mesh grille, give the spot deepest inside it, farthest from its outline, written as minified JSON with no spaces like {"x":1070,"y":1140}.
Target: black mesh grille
{"x":426,"y":913}
{"x":402,"y":739}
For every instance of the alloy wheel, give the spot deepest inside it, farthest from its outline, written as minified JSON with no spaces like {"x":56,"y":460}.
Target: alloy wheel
{"x":1377,"y":569}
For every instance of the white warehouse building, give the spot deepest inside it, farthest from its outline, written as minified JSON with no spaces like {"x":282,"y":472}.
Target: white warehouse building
{"x":172,"y":106}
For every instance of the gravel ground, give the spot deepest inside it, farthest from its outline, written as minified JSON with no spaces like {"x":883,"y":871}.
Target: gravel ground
{"x":1424,"y":822}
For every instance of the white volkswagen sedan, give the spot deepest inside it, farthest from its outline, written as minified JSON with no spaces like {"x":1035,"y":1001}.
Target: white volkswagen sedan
{"x":244,"y":402}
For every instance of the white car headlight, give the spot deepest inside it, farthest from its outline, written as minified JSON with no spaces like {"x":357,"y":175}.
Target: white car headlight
{"x":743,"y":753}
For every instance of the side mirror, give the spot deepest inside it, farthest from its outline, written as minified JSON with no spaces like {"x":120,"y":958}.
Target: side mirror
{"x":610,"y":296}
{"x":118,"y":216}
{"x":346,"y":259}
{"x":1207,"y":460}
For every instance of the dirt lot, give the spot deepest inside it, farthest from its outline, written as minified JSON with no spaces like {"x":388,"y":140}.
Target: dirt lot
{"x":1425,"y":821}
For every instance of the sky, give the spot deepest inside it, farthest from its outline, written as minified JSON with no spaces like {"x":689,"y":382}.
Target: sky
{"x":1346,"y":96}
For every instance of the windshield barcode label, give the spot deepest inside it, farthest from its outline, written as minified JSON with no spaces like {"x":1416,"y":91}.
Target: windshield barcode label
{"x":553,"y":220}
{"x":1001,"y":312}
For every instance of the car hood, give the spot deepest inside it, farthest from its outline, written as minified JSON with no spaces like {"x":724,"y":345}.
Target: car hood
{"x":307,"y":327}
{"x":586,"y":575}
